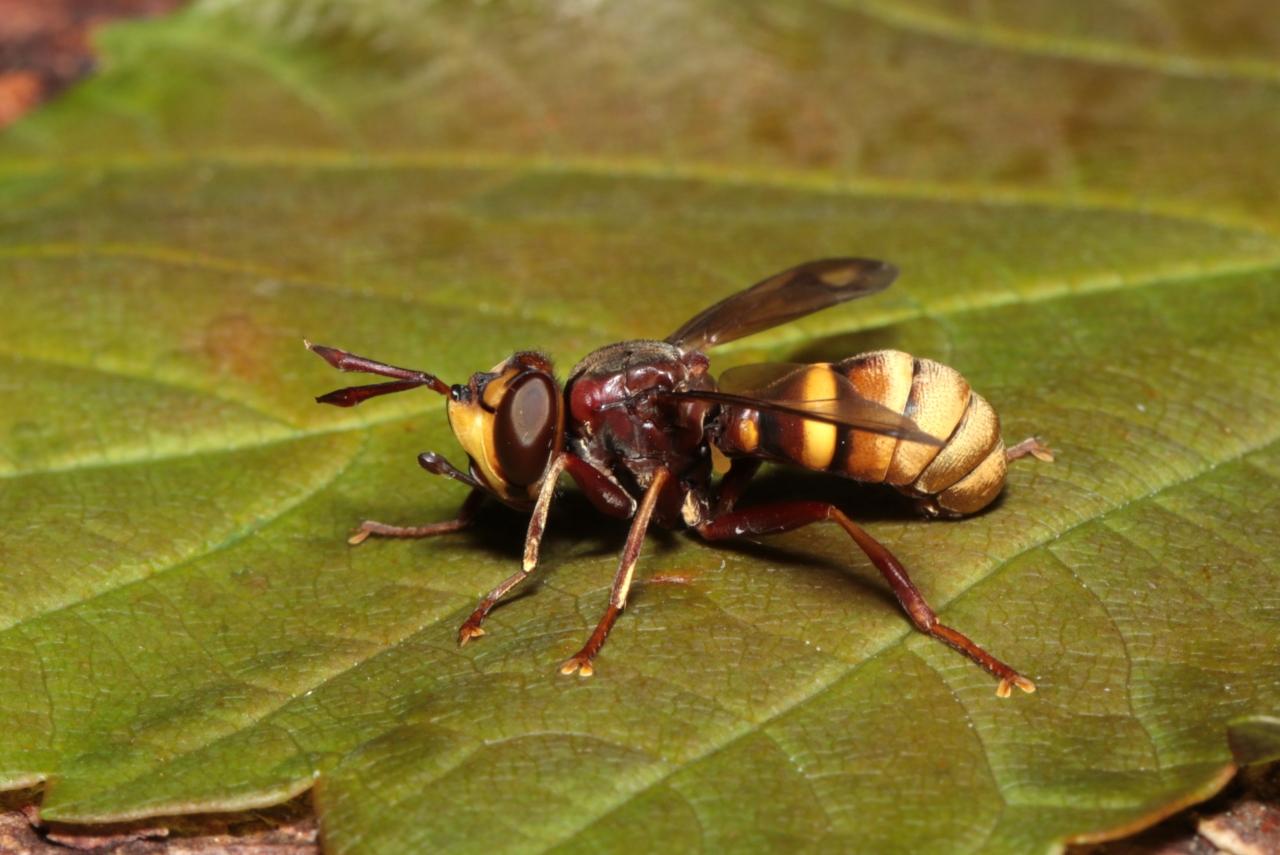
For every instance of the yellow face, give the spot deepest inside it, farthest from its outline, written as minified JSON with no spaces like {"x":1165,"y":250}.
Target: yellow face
{"x":510,"y":422}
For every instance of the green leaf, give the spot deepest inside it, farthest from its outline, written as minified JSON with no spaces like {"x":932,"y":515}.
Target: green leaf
{"x":1255,"y":739}
{"x":1087,"y":216}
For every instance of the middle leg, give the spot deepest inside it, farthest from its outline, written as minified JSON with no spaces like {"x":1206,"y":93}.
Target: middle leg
{"x":622,"y":581}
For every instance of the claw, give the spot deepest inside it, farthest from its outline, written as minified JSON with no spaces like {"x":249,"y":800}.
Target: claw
{"x":468,"y":632}
{"x":1006,"y":685}
{"x":578,"y":663}
{"x":1032,"y":447}
{"x":361,"y":535}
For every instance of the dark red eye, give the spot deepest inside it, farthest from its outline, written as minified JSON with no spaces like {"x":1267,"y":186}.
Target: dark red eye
{"x":525,"y":426}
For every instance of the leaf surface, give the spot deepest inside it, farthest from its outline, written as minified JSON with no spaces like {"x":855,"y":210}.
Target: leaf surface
{"x":1089,"y":235}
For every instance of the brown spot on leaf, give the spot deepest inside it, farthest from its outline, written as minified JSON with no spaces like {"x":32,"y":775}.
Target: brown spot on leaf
{"x":234,"y":344}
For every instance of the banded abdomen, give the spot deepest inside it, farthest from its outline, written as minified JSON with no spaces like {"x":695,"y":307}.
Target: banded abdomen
{"x":961,"y":477}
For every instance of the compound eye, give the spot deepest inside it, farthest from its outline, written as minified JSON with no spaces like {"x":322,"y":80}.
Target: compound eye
{"x":524,"y":428}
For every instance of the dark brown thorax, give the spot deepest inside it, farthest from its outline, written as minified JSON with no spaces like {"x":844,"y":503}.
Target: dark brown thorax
{"x":618,"y":424}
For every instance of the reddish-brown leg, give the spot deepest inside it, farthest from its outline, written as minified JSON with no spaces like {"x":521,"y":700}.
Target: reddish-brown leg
{"x":466,"y":514}
{"x":777,"y":518}
{"x":1030,"y":447}
{"x":608,"y":496}
{"x":581,"y":662}
{"x":532,"y":541}
{"x":436,"y":465}
{"x":740,"y":473}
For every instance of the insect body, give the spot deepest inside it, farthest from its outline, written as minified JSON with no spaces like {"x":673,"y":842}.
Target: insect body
{"x":639,"y":425}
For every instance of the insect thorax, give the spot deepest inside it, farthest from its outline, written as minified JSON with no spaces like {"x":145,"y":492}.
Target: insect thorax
{"x":619,"y":421}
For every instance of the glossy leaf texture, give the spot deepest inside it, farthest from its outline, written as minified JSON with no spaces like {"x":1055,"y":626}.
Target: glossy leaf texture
{"x":1083,"y":202}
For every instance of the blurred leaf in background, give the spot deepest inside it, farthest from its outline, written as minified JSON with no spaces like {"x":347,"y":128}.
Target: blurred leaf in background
{"x":1084,"y":199}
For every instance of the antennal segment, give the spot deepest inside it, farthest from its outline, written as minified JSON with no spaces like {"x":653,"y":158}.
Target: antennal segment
{"x":352,"y":395}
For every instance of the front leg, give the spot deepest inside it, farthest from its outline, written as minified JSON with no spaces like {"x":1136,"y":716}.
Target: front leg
{"x":436,"y":465}
{"x":466,"y":514}
{"x":532,"y":541}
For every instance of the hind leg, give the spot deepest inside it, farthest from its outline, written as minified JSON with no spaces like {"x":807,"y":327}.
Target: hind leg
{"x":782,"y":517}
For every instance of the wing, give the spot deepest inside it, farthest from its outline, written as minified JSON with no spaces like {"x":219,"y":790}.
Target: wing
{"x":782,"y":298}
{"x":778,"y":387}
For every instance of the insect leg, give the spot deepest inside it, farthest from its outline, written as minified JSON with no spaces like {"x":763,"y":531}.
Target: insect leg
{"x":622,"y":581}
{"x":436,"y":465}
{"x":741,"y":471}
{"x":466,"y":514}
{"x":537,"y":525}
{"x":778,"y":518}
{"x":1031,"y":447}
{"x":606,"y":494}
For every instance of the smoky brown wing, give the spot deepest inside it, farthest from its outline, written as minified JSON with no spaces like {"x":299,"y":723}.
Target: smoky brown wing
{"x":778,"y":387}
{"x":789,"y":295}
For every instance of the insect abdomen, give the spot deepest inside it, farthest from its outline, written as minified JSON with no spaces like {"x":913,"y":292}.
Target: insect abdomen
{"x":962,"y":477}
